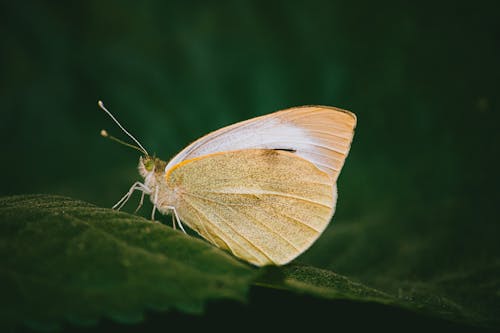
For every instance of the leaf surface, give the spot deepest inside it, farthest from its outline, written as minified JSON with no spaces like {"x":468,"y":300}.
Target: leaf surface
{"x":67,"y":260}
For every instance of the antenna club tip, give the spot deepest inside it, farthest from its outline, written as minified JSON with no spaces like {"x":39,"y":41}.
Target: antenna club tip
{"x":100,"y":103}
{"x":104,"y":133}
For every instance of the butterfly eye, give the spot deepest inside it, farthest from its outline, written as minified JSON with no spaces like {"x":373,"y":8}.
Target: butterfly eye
{"x":149,"y":164}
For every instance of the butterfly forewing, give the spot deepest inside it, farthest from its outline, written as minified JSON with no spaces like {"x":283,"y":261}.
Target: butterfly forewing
{"x":265,"y":206}
{"x":320,"y":134}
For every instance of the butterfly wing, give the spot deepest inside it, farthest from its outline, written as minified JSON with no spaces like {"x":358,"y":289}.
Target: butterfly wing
{"x":320,"y":134}
{"x":265,"y":206}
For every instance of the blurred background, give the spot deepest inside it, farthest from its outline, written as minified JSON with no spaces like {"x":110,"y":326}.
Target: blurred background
{"x":419,"y":192}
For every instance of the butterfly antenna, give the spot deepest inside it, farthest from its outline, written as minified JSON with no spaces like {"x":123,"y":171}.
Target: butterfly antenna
{"x":105,"y":134}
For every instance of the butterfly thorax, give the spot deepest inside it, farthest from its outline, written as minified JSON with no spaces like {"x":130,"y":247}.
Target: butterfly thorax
{"x":152,"y":169}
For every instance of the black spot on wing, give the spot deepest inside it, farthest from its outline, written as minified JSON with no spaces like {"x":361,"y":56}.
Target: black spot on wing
{"x":291,"y":150}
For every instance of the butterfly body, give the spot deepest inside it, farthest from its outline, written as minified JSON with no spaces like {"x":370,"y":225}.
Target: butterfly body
{"x":152,"y":169}
{"x":264,"y":189}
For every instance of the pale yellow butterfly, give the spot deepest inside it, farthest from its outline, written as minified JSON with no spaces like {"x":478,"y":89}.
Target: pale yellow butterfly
{"x":264,"y":189}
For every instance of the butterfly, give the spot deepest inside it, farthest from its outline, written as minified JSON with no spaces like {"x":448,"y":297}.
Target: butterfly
{"x":263,"y":189}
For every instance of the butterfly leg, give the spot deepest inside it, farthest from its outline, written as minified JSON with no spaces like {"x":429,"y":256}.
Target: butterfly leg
{"x":153,"y":213}
{"x":140,"y":202}
{"x":136,"y":186}
{"x":154,"y":205}
{"x":178,"y":220}
{"x":120,"y":201}
{"x":125,"y":197}
{"x":173,"y":221}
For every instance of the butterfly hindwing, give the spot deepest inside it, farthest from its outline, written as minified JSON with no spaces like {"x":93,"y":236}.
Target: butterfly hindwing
{"x":265,"y":206}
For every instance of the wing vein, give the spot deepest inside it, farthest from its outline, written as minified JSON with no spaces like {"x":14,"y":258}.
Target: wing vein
{"x":229,"y":226}
{"x":296,"y":220}
{"x":330,"y":133}
{"x":271,"y":193}
{"x":274,"y":203}
{"x":251,"y":217}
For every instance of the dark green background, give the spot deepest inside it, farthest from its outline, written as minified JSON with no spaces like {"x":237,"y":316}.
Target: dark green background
{"x":419,"y":192}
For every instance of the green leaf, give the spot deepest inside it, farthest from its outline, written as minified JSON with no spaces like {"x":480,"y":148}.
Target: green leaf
{"x":69,"y":261}
{"x":66,"y":260}
{"x":328,"y":285}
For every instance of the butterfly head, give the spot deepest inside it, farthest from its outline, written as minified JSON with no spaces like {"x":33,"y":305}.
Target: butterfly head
{"x":150,"y":165}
